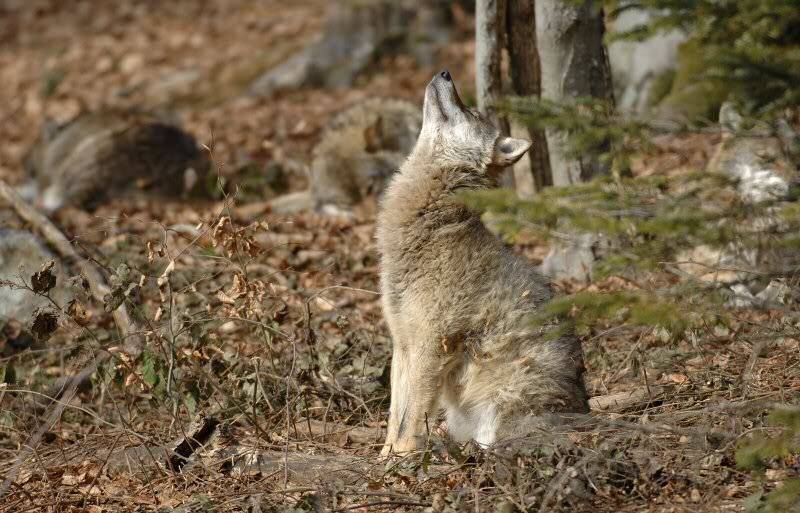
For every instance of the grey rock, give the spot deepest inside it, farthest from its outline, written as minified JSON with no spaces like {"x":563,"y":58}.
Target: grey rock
{"x":292,"y":203}
{"x":756,"y":157}
{"x":21,"y":255}
{"x":294,"y":72}
{"x":740,"y":297}
{"x":356,"y":35}
{"x":774,"y":295}
{"x":635,"y":65}
{"x":726,"y":265}
{"x":172,"y":85}
{"x":573,"y":260}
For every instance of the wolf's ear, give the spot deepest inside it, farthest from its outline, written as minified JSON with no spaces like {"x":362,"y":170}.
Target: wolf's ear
{"x":373,"y":135}
{"x":508,"y":150}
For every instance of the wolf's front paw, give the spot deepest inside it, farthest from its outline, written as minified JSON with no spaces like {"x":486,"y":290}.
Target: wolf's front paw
{"x":386,"y":451}
{"x":405,"y":445}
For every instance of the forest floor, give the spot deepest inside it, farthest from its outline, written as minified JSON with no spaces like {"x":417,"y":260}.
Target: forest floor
{"x":271,"y":325}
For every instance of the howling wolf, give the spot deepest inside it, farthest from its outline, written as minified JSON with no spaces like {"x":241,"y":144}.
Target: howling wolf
{"x":458,"y":302}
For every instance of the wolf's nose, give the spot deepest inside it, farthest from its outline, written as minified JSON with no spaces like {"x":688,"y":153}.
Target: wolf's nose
{"x":446,"y":75}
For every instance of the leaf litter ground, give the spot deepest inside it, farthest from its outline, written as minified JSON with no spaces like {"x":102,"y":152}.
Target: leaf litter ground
{"x":271,"y":325}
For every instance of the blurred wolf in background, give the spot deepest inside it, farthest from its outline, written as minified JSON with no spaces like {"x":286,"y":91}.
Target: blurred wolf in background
{"x":359,"y":150}
{"x":459,"y":302}
{"x":98,"y":155}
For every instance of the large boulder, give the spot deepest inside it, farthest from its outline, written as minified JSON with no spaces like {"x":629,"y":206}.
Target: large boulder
{"x":356,"y":35}
{"x":642,"y":70}
{"x":98,"y":155}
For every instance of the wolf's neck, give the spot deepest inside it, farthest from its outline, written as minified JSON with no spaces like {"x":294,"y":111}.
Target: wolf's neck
{"x":429,"y":194}
{"x":444,"y":181}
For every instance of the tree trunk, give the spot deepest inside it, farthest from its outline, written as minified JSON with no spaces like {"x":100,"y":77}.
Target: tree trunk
{"x":489,"y":28}
{"x":531,"y":176}
{"x":574,"y":64}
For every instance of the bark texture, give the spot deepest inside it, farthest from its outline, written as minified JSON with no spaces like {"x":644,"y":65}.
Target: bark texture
{"x":489,"y":30}
{"x":574,"y":64}
{"x":490,"y":18}
{"x":533,"y":175}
